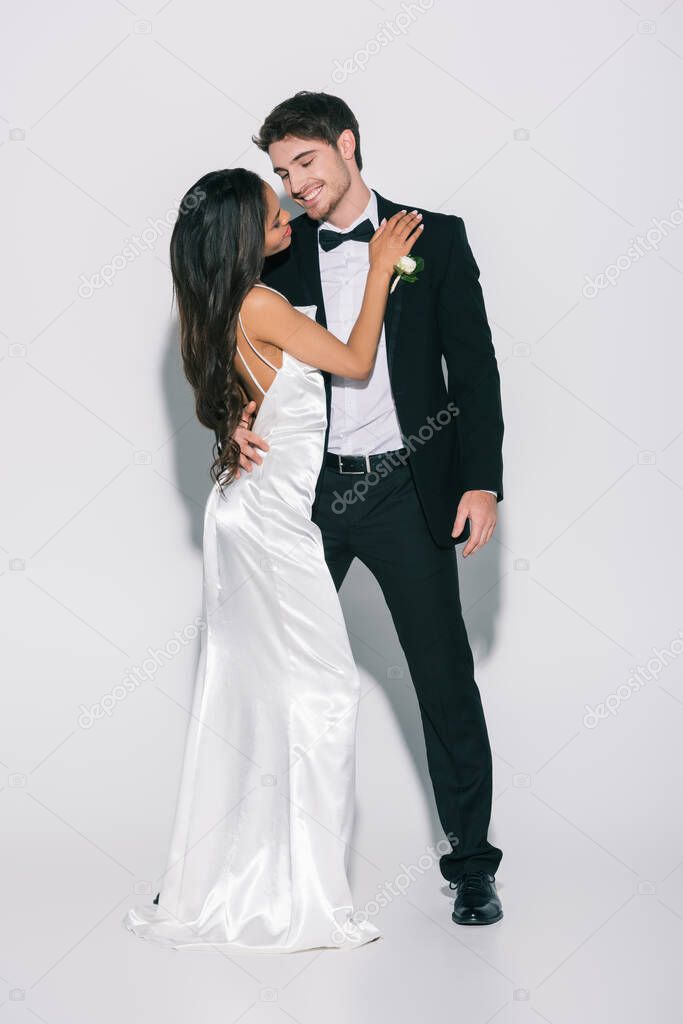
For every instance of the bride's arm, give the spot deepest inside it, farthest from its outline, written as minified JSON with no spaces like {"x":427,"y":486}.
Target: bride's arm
{"x":271,"y":318}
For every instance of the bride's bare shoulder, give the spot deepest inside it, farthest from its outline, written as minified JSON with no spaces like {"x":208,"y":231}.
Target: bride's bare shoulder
{"x":262,"y":309}
{"x":262,"y":304}
{"x":260,"y":301}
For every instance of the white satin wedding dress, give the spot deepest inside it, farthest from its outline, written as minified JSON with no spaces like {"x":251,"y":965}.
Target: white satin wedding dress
{"x":259,"y":848}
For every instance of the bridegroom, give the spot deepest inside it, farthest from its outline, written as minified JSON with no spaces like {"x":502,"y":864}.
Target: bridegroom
{"x":413,"y":464}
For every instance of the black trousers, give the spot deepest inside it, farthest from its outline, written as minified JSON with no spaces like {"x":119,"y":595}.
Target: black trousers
{"x":384,"y":526}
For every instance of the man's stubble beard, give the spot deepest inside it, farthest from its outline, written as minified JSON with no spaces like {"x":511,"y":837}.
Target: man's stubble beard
{"x":344,"y":186}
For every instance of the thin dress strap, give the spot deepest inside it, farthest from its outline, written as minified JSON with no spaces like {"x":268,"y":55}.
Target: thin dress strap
{"x":260,"y":284}
{"x":249,"y":370}
{"x":256,"y":352}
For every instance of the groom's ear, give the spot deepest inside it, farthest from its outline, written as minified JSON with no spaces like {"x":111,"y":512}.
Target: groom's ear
{"x":346,"y":144}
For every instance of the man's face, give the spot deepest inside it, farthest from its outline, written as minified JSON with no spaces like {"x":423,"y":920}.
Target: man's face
{"x":314,"y":174}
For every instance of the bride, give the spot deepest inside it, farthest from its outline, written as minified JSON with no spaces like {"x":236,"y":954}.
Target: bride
{"x":259,"y":848}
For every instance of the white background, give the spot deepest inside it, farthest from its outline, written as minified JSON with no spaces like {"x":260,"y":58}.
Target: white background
{"x":553,"y":129}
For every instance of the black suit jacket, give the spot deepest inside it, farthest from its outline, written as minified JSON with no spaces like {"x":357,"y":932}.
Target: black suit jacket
{"x":453,"y":428}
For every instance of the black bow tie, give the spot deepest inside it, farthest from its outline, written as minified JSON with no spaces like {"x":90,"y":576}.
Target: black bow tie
{"x":362,"y":232}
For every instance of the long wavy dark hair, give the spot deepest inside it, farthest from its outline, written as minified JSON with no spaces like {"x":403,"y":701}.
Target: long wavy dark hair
{"x":217,"y":253}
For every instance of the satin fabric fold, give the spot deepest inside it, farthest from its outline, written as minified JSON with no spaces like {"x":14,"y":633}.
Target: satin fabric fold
{"x":259,"y":850}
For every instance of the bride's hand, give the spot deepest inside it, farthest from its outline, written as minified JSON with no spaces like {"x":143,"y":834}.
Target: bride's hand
{"x":393,"y":239}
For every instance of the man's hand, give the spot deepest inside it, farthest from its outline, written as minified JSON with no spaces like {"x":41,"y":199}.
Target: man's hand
{"x":249,"y":442}
{"x":480,"y":508}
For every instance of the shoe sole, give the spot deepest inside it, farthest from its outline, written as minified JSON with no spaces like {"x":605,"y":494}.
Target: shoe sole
{"x":492,"y":920}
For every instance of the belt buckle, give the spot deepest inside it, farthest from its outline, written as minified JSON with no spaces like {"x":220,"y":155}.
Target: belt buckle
{"x":353,"y":472}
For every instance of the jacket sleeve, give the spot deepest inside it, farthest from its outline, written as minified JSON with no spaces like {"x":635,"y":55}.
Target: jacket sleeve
{"x":473,"y":378}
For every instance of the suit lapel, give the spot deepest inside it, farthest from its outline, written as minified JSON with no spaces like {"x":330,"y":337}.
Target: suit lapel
{"x":392,"y":315}
{"x":309,"y":265}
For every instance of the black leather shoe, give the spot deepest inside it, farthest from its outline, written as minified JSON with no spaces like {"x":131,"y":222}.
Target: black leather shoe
{"x":477,"y":901}
{"x":156,"y":898}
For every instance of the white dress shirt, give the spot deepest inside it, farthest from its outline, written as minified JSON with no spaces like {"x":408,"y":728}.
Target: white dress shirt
{"x":363,"y":418}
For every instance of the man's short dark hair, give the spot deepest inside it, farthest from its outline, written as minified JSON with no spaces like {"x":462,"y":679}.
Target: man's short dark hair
{"x":309,"y":115}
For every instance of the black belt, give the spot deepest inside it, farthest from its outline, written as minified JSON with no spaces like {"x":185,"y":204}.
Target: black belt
{"x":361,"y":463}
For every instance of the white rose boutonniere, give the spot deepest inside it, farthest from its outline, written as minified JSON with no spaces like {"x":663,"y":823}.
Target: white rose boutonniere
{"x":407,"y":269}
